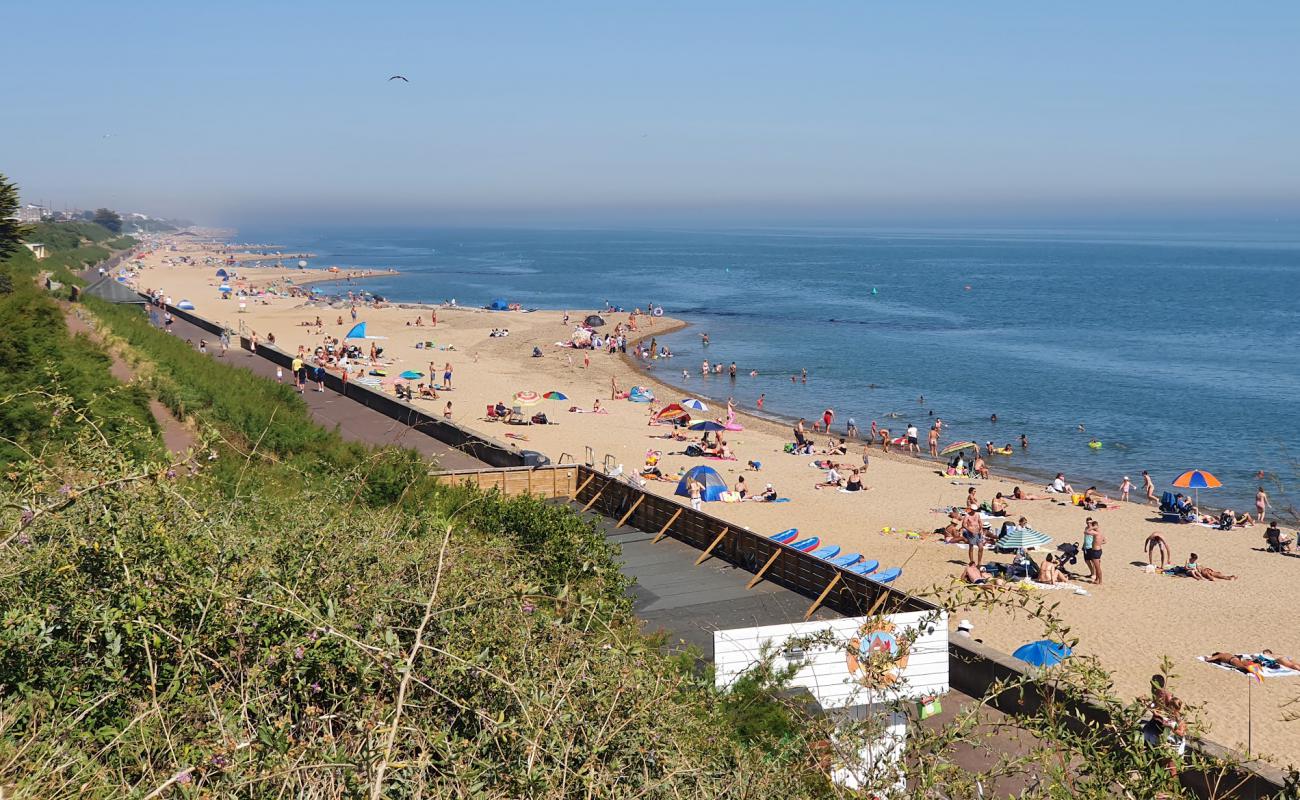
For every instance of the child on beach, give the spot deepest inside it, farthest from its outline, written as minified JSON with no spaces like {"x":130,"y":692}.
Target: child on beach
{"x":1124,"y":489}
{"x":279,"y":374}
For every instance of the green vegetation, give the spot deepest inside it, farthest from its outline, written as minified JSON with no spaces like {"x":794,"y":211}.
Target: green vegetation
{"x":37,"y":354}
{"x":11,"y":232}
{"x":280,"y":613}
{"x":109,"y":219}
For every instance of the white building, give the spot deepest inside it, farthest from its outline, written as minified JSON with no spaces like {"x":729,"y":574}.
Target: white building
{"x":39,"y":250}
{"x":31,"y":213}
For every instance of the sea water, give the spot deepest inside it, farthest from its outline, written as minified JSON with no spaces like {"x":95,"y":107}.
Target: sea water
{"x":1174,"y":349}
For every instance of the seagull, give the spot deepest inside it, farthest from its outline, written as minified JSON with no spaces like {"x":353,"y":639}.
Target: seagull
{"x":399,"y":77}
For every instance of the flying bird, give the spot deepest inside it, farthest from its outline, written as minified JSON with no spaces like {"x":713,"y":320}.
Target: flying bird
{"x":399,"y":77}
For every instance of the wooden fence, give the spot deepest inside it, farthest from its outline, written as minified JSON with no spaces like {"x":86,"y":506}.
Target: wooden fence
{"x":548,"y":481}
{"x":819,"y":580}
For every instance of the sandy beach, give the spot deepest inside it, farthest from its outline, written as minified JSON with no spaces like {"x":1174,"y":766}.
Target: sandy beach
{"x":1129,"y":622}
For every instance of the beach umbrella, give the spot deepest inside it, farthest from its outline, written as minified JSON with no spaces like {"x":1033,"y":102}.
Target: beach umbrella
{"x":1043,"y":653}
{"x":1023,"y":539}
{"x":672,"y":411}
{"x":555,"y":396}
{"x":185,"y":305}
{"x":224,"y":288}
{"x":411,"y":375}
{"x":707,"y":425}
{"x":1196,"y":480}
{"x":527,"y":398}
{"x":694,"y":405}
{"x":957,"y":447}
{"x":594,"y":321}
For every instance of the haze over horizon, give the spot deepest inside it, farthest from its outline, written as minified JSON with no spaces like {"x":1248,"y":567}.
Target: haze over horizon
{"x":589,"y":113}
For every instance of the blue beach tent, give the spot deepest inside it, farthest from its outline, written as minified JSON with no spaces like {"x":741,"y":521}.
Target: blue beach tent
{"x":221,"y":273}
{"x":500,"y":304}
{"x":358,"y":331}
{"x":1043,"y":653}
{"x":640,"y":394}
{"x":714,"y":486}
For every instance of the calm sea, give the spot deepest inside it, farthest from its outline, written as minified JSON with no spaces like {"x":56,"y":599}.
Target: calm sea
{"x":1174,"y":349}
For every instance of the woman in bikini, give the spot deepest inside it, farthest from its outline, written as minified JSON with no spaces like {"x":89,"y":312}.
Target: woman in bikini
{"x":1203,"y":573}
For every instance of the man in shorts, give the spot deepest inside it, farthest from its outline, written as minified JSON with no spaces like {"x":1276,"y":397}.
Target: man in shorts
{"x":912,"y":446}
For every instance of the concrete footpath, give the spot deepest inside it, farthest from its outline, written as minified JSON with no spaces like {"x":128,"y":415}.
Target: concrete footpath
{"x":354,"y":421}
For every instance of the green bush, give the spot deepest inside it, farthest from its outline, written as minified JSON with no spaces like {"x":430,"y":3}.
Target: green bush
{"x":289,"y":642}
{"x":38,"y":356}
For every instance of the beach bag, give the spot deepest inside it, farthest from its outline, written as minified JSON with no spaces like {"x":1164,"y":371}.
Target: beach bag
{"x":539,"y":419}
{"x":693,"y":451}
{"x":789,"y":448}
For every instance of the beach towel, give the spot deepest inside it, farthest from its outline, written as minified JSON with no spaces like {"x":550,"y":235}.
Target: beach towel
{"x":1264,"y":672}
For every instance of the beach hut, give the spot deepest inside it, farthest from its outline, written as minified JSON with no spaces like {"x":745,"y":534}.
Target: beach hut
{"x":499,"y":304}
{"x":714,"y":486}
{"x":594,"y":321}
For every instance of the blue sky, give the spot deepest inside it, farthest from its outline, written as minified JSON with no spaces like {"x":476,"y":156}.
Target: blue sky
{"x":746,"y":112}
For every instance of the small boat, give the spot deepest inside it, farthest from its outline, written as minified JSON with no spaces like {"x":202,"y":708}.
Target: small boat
{"x":785,"y":536}
{"x":807,"y":544}
{"x":847,"y":560}
{"x":865,"y":568}
{"x":826,"y":553}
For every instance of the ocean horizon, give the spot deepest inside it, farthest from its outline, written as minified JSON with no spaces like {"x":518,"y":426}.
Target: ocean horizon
{"x":1173,"y":348}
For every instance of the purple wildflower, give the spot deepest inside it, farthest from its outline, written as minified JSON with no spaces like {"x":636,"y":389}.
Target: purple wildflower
{"x":529,"y":606}
{"x":65,"y":490}
{"x":184,"y":777}
{"x":298,"y":653}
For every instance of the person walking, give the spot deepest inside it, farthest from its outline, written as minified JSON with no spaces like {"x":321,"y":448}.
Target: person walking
{"x":934,"y":441}
{"x":695,"y":488}
{"x":1261,"y":505}
{"x":1149,"y":488}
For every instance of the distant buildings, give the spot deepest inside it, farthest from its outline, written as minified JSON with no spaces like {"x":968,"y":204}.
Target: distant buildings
{"x":31,"y":213}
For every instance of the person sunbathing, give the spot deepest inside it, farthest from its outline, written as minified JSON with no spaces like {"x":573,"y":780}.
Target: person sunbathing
{"x":998,"y":508}
{"x":833,"y":479}
{"x":1277,"y":542}
{"x":1204,"y":573}
{"x":951,"y":532}
{"x":1017,"y":494}
{"x":1093,"y":500}
{"x":1269,"y":660}
{"x":981,"y":469}
{"x":1231,"y":660}
{"x":854,"y":483}
{"x":1049,"y":573}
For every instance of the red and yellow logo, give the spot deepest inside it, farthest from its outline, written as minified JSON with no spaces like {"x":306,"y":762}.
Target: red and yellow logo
{"x":876,"y":656}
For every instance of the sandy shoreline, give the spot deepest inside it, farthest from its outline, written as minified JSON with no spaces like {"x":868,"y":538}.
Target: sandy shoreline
{"x":1129,"y":622}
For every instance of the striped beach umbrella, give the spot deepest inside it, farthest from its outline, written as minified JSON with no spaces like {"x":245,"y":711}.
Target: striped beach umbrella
{"x":527,"y":398}
{"x":694,"y":405}
{"x":1196,"y":480}
{"x":553,"y":395}
{"x":957,"y":447}
{"x":1024,"y":539}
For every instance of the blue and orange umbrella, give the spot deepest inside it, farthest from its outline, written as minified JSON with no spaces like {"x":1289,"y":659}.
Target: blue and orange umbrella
{"x":1197,"y":479}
